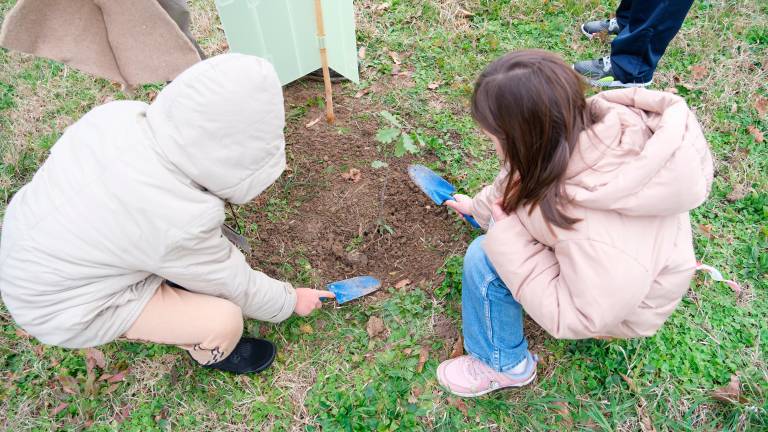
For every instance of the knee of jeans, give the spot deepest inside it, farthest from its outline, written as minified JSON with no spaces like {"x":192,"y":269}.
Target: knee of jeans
{"x":475,"y":257}
{"x":229,"y":324}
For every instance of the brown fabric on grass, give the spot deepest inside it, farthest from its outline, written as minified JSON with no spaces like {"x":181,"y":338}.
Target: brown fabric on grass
{"x":131,"y":42}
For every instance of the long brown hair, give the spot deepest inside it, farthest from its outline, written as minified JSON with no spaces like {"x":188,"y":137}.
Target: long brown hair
{"x":534,"y":104}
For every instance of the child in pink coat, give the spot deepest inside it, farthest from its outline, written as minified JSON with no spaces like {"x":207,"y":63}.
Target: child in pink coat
{"x":588,"y":224}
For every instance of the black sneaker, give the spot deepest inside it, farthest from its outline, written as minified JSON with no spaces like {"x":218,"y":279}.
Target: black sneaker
{"x":599,"y":73}
{"x":610,"y":26}
{"x":251,"y":355}
{"x":318,"y":75}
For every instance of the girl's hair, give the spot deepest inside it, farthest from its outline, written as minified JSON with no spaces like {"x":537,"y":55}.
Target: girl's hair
{"x":533,"y":103}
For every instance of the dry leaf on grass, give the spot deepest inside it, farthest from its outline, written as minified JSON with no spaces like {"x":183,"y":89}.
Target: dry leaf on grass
{"x":458,"y":348}
{"x":22,"y":334}
{"x":354,"y":175}
{"x":123,"y":413}
{"x":706,"y":230}
{"x":699,"y":72}
{"x":464,"y":13}
{"x":395,"y":69}
{"x":395,"y":57}
{"x":313,"y":122}
{"x":730,"y":393}
{"x":375,"y":326}
{"x":62,"y":406}
{"x":756,"y":133}
{"x":564,"y":410}
{"x":306,"y":329}
{"x":761,"y":105}
{"x":672,"y":90}
{"x":382,"y":7}
{"x":423,"y":357}
{"x":94,"y":357}
{"x":361,"y":53}
{"x":433,"y":85}
{"x":459,"y":404}
{"x":362,"y":93}
{"x":403,"y":283}
{"x":739,"y":191}
{"x":118,"y":376}
{"x":69,"y":384}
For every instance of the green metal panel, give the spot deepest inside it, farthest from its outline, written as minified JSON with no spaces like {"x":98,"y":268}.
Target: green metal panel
{"x":285,"y":33}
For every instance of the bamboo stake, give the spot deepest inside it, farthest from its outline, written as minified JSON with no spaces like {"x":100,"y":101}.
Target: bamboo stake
{"x":329,"y":115}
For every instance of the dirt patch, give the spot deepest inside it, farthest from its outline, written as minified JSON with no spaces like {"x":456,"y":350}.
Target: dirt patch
{"x":373,"y":222}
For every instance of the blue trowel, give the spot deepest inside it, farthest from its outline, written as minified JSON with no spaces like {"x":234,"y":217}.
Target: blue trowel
{"x":437,"y":188}
{"x":351,"y":289}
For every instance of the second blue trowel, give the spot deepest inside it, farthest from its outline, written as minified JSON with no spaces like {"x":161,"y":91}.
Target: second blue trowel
{"x":437,"y":188}
{"x":351,"y":289}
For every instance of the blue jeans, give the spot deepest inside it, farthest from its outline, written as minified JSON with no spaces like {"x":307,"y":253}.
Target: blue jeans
{"x":492,"y":319}
{"x":647,"y":27}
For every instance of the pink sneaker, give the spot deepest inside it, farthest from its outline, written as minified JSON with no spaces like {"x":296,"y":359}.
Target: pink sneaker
{"x":467,"y":376}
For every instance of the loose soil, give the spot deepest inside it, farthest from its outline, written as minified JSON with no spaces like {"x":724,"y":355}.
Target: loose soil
{"x":377,"y":223}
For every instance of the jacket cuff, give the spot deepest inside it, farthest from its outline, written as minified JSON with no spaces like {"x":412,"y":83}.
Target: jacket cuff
{"x":288,"y":305}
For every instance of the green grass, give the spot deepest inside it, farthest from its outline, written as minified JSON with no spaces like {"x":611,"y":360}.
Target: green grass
{"x":330,"y":375}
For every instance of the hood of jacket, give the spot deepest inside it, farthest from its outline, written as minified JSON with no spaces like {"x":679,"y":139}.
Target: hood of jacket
{"x":220,"y":123}
{"x":646,"y":156}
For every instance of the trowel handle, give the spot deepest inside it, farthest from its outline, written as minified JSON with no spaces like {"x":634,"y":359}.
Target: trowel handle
{"x":472,"y":221}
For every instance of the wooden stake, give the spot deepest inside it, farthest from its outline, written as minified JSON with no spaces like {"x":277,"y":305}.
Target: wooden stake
{"x":329,"y":115}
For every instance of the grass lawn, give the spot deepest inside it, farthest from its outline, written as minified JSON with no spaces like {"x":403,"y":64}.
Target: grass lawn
{"x":330,"y":374}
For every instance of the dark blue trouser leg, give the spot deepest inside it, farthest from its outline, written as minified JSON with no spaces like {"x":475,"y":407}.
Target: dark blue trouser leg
{"x":648,"y":27}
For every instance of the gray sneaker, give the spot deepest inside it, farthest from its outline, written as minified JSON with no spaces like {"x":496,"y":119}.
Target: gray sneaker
{"x":610,"y":26}
{"x":599,"y":73}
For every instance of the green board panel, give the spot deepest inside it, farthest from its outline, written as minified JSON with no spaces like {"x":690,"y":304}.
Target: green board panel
{"x":285,"y":33}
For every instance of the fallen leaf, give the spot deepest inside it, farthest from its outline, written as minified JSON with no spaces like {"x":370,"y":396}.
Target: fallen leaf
{"x":395,"y":69}
{"x":630,"y":382}
{"x":423,"y":357}
{"x":382,"y":7}
{"x":95,"y":357}
{"x":104,"y":377}
{"x":354,"y":175}
{"x":361,"y":53}
{"x":417,"y":391}
{"x":433,"y":85}
{"x":602,"y":36}
{"x":458,"y":348}
{"x":342,"y":348}
{"x":111,"y":389}
{"x":564,"y":410}
{"x":730,"y":393}
{"x":62,"y":406}
{"x":362,"y":93}
{"x":151,"y":96}
{"x":118,"y":376}
{"x":395,"y":57}
{"x":699,"y":72}
{"x":375,"y":326}
{"x":408,"y":351}
{"x":761,"y":105}
{"x":756,"y":133}
{"x":738,"y":192}
{"x":68,"y":384}
{"x":464,"y":13}
{"x":123,"y":413}
{"x":672,"y":90}
{"x":22,"y":334}
{"x":646,"y":425}
{"x":706,"y":230}
{"x":459,"y":404}
{"x":306,"y":329}
{"x":402,"y":284}
{"x":313,"y":122}
{"x":88,"y":423}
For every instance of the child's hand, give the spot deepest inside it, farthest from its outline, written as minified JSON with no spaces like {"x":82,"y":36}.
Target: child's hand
{"x":497,"y":213}
{"x":460,"y":203}
{"x":308,"y":299}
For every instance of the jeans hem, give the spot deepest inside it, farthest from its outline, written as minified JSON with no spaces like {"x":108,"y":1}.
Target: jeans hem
{"x":502,"y":369}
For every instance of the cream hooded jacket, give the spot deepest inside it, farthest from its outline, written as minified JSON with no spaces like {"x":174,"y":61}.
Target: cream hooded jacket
{"x":623,"y":269}
{"x":133,"y":194}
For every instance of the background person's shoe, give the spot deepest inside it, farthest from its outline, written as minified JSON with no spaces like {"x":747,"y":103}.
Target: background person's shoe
{"x":591,"y":28}
{"x":251,"y":355}
{"x":599,"y":73}
{"x":318,"y":75}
